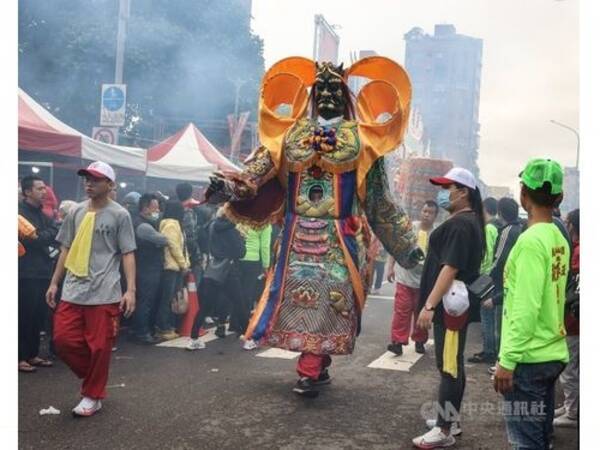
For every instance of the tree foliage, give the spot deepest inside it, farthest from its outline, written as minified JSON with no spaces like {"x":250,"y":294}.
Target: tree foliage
{"x":181,"y":58}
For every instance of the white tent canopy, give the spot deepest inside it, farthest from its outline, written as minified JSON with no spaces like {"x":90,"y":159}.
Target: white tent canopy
{"x":39,"y":130}
{"x":187,"y":155}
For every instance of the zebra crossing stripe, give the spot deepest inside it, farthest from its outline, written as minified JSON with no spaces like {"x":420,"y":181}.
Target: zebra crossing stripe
{"x":278,"y":353}
{"x":182,"y":341}
{"x":403,"y":363}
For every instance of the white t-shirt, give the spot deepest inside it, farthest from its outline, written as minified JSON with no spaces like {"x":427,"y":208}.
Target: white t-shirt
{"x":412,"y":277}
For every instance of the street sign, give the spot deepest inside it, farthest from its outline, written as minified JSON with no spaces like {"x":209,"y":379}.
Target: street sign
{"x":112,"y":110}
{"x":106,"y":135}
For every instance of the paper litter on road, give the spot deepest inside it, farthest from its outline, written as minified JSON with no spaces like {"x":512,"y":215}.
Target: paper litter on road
{"x":49,"y":411}
{"x":214,"y":370}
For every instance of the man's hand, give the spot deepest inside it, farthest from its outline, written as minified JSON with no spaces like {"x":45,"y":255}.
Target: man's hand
{"x":503,"y":380}
{"x":127,"y":305}
{"x":51,"y":295}
{"x":391,"y":276}
{"x":425,"y":319}
{"x":488,"y":304}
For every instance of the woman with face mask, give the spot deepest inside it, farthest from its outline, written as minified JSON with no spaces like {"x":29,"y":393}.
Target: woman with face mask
{"x":456,"y":249}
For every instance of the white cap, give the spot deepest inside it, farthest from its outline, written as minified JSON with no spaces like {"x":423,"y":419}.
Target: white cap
{"x":98,"y":169}
{"x":456,"y":175}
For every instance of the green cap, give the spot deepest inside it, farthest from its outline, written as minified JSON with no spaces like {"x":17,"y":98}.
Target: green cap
{"x":539,"y":170}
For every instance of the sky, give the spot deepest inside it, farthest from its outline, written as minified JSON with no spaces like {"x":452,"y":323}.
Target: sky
{"x":530,"y":67}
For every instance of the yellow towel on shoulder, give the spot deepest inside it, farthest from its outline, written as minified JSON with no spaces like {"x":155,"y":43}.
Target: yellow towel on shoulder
{"x":78,"y":259}
{"x":451,"y":353}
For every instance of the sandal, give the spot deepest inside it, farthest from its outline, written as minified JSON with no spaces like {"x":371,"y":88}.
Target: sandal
{"x":39,"y":362}
{"x":24,"y":366}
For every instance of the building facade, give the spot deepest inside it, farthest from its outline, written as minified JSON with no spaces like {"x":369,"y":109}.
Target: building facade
{"x":445,"y":71}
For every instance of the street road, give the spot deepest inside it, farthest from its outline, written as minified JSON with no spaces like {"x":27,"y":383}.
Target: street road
{"x":226,"y":398}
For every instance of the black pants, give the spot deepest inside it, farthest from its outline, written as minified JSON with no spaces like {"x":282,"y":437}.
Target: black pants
{"x":147,"y":296}
{"x":250,"y":284}
{"x":165,"y":320}
{"x":32,"y":315}
{"x":451,"y":389}
{"x":379,"y":269}
{"x":220,"y":299}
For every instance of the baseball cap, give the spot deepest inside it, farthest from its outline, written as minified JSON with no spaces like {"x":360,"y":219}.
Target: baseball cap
{"x":132,"y":198}
{"x":456,"y":175}
{"x":98,"y":169}
{"x":539,"y":171}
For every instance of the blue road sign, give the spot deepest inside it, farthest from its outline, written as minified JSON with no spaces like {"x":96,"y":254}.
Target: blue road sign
{"x":113,"y":98}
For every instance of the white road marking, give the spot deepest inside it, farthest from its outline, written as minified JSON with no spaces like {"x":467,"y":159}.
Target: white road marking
{"x":382,"y":297}
{"x":278,"y":353}
{"x":403,"y":362}
{"x":182,"y":342}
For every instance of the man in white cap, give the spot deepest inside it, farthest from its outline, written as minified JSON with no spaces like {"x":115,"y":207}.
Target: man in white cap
{"x":94,"y":237}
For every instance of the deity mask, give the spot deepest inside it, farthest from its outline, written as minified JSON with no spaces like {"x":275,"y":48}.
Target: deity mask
{"x":329,"y":94}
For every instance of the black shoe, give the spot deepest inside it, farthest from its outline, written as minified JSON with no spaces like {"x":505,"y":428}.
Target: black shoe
{"x":306,"y":387}
{"x":220,"y":332}
{"x":323,"y":379}
{"x":482,"y":358}
{"x":395,"y":348}
{"x":420,"y":347}
{"x":146,"y":339}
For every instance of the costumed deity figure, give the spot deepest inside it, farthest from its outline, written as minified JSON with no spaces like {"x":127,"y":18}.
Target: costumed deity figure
{"x":320,"y":170}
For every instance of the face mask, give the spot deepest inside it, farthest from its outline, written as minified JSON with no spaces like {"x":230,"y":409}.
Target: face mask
{"x":443,"y":199}
{"x":154,"y":216}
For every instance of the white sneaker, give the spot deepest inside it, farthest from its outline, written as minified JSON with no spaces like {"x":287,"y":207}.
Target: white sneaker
{"x":565,"y":421}
{"x":209,"y":321}
{"x":250,"y":344}
{"x":87,"y":407}
{"x":560,"y":412}
{"x":434,"y":438}
{"x":195,"y":344}
{"x":455,"y":429}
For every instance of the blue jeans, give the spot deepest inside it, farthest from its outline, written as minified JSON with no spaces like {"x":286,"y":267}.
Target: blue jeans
{"x":498,"y":311}
{"x":488,"y":330}
{"x":529,"y":409}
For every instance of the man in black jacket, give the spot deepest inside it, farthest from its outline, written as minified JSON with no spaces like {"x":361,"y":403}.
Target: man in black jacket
{"x":149,"y":259}
{"x":35,"y":271}
{"x":507,"y":238}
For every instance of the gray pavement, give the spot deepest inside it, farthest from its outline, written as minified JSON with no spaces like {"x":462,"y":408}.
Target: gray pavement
{"x":226,"y":398}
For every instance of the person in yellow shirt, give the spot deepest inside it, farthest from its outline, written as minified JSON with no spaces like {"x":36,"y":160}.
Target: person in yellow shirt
{"x":176,"y":264}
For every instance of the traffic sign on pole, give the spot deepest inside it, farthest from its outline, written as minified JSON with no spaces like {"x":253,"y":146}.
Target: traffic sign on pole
{"x":112,"y":112}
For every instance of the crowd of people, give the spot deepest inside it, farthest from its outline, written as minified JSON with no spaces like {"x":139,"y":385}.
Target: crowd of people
{"x":92,"y":261}
{"x":95,"y":260}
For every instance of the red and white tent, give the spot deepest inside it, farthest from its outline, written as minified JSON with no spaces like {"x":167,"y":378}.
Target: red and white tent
{"x":42,"y":132}
{"x":187,"y":155}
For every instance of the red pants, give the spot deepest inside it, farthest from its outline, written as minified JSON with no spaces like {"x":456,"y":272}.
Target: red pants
{"x":83,"y":338}
{"x":406,"y":313}
{"x":310,"y":365}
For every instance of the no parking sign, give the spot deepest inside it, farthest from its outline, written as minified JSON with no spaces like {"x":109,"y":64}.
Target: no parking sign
{"x":112,"y":111}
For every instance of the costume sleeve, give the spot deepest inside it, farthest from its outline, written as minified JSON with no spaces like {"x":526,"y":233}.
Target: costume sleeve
{"x":391,"y":225}
{"x":256,"y":196}
{"x":520,"y":316}
{"x":259,"y":169}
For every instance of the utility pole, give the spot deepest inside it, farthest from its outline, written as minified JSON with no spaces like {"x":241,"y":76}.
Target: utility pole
{"x":576,"y":134}
{"x":121,"y":35}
